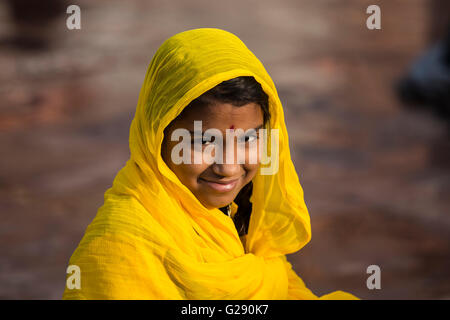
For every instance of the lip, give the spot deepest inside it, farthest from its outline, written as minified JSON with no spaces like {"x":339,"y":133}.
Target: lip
{"x":221,"y":186}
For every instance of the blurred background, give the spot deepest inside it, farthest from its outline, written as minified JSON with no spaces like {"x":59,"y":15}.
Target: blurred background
{"x":366,"y":111}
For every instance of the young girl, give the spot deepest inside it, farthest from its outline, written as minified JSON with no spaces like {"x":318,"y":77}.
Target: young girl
{"x":175,"y":228}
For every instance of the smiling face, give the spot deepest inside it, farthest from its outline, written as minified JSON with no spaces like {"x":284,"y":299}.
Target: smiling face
{"x":215,"y":185}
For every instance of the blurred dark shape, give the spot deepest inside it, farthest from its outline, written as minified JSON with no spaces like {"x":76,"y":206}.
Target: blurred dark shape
{"x":427,"y":84}
{"x":32,"y":21}
{"x":439,"y":19}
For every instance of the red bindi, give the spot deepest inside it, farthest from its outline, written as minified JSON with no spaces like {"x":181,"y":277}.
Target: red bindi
{"x":232,"y":127}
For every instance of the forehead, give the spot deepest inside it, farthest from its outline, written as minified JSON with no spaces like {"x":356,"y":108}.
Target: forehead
{"x":221,"y":115}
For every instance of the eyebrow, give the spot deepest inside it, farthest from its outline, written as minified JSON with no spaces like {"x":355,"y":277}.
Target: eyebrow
{"x":257,"y":128}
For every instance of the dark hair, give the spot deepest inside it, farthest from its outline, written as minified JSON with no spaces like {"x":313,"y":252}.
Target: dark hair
{"x":238,"y":92}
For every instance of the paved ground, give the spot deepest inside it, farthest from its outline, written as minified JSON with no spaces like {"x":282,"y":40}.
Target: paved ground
{"x":376,"y":175}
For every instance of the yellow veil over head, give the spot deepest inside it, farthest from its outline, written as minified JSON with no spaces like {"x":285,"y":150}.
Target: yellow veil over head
{"x":153,"y":239}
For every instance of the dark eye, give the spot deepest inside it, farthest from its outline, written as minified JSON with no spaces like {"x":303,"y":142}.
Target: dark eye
{"x":207,"y":140}
{"x":204,"y":140}
{"x":248,"y":138}
{"x":251,"y":138}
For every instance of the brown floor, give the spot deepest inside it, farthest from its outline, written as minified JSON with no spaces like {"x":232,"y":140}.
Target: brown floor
{"x":375,"y":174}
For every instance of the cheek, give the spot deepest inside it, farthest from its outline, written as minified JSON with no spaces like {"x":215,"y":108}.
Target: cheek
{"x":252,"y":170}
{"x":253,"y":153}
{"x":188,"y":173}
{"x":252,"y":159}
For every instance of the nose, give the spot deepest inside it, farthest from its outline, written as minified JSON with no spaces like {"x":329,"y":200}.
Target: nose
{"x":227,"y":169}
{"x":230,"y":161}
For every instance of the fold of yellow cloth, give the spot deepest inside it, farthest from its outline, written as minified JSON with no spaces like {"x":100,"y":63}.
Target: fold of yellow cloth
{"x":152,"y":239}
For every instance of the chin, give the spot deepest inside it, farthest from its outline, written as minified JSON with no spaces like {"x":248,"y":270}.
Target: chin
{"x":218,"y":202}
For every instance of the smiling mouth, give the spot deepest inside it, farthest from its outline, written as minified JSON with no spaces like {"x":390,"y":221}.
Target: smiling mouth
{"x":220,"y":186}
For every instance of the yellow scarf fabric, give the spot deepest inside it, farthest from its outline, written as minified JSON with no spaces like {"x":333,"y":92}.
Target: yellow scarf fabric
{"x":152,"y":238}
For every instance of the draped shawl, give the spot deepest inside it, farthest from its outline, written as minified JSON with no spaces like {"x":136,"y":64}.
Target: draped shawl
{"x":152,"y":238}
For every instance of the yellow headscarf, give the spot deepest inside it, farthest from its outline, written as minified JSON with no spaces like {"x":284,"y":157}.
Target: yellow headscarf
{"x":152,"y":238}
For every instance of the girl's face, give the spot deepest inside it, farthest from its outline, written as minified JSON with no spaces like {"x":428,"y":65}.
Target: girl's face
{"x":216,"y":185}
